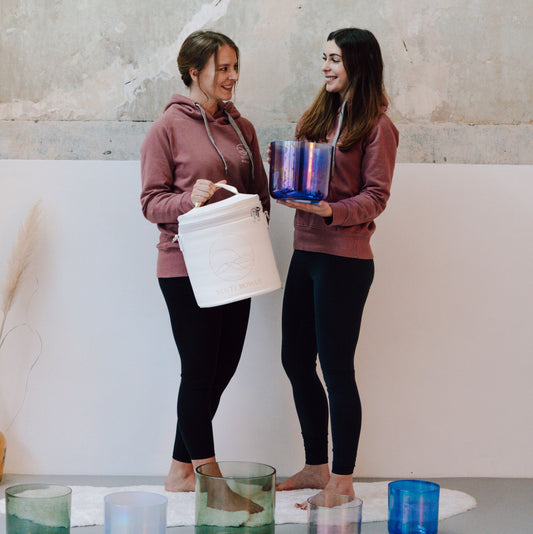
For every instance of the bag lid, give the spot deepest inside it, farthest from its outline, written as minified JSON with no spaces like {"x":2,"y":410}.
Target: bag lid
{"x":239,"y":204}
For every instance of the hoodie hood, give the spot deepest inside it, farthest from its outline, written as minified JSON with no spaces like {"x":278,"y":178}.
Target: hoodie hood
{"x":189,"y":107}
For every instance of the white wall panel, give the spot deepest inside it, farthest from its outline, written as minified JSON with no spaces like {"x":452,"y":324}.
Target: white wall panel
{"x":444,"y":360}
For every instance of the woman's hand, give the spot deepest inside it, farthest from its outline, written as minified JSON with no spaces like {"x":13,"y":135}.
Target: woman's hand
{"x":322,"y":208}
{"x":203,"y":190}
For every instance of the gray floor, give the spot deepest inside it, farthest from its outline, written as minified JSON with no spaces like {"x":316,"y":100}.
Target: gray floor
{"x":505,"y":506}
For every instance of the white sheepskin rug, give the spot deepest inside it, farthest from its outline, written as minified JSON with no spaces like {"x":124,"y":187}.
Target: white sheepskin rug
{"x":88,"y":503}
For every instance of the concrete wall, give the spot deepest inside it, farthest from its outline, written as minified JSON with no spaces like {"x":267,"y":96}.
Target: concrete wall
{"x":444,"y":359}
{"x":82,"y":80}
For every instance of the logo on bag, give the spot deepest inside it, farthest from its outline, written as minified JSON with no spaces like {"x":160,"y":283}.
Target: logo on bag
{"x":231,"y":257}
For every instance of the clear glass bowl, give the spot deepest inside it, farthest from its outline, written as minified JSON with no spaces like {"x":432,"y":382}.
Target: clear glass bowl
{"x":235,"y":495}
{"x":329,"y":513}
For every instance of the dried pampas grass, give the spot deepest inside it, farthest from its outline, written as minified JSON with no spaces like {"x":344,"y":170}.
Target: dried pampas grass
{"x":19,"y":262}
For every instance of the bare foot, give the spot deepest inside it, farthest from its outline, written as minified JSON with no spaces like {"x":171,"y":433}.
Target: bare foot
{"x":311,"y":476}
{"x":337,"y":485}
{"x":180,"y":477}
{"x":222,"y":497}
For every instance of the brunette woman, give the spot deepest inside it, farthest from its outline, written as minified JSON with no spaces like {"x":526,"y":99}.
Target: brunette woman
{"x":199,"y":140}
{"x":332,"y":266}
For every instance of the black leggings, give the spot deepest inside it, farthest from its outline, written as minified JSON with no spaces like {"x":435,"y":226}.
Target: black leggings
{"x":322,"y":309}
{"x":209,"y":342}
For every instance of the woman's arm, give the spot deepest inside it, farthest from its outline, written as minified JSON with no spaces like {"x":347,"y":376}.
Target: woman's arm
{"x":159,"y":200}
{"x":377,"y":167}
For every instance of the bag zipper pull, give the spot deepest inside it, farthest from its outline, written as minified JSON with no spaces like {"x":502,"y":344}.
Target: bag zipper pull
{"x":255,"y":213}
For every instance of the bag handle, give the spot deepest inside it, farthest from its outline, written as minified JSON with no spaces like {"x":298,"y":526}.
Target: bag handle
{"x":227,"y":187}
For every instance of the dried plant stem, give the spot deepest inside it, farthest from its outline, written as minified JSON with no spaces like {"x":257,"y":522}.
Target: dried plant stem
{"x":33,"y":364}
{"x":19,"y":261}
{"x":2,"y":337}
{"x":17,"y":266}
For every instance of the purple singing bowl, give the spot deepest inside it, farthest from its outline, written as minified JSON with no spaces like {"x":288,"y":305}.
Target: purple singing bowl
{"x":300,"y":170}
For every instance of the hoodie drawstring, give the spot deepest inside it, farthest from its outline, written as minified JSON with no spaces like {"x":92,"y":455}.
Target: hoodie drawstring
{"x":237,"y":131}
{"x":243,"y":141}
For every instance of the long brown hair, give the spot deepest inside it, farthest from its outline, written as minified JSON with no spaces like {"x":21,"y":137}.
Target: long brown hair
{"x":361,"y":57}
{"x":196,"y":50}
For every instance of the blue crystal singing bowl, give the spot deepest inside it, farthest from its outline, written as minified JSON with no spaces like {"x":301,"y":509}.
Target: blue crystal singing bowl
{"x":300,"y":170}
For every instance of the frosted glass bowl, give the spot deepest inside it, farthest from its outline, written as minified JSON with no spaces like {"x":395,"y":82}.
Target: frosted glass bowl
{"x":135,"y":512}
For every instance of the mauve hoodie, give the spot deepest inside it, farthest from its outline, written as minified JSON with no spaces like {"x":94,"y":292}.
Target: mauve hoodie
{"x":358,"y":193}
{"x":176,"y":152}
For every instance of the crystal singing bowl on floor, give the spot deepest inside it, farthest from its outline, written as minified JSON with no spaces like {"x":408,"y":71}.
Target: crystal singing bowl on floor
{"x":235,"y":495}
{"x":300,"y":170}
{"x":135,"y":512}
{"x":413,"y":507}
{"x":334,"y":514}
{"x":38,"y":509}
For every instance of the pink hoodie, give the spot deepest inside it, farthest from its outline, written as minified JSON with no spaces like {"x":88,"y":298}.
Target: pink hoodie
{"x":177,"y":151}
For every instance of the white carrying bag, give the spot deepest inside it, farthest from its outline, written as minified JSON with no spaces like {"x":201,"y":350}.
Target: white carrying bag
{"x":227,"y":250}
